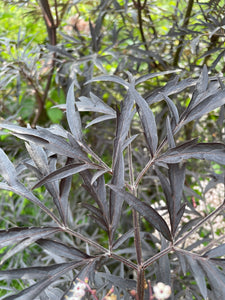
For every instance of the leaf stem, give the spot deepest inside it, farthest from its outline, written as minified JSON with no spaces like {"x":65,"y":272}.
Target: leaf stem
{"x":101,"y":248}
{"x":152,"y":259}
{"x":124,"y":260}
{"x":142,"y":173}
{"x":85,"y":239}
{"x":196,"y":227}
{"x":136,"y":224}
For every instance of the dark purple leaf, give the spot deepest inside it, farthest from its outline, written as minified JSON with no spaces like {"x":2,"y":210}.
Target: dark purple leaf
{"x":45,"y":138}
{"x":96,"y":215}
{"x":124,"y":119}
{"x":100,"y":119}
{"x":165,"y":185}
{"x":202,"y":84}
{"x":209,"y":151}
{"x":149,"y":213}
{"x":182,"y":262}
{"x":205,"y":106}
{"x":173,"y":192}
{"x":7,"y":169}
{"x":64,"y":190}
{"x":199,"y":92}
{"x":31,"y":272}
{"x":59,"y":145}
{"x":111,"y":78}
{"x":215,"y":62}
{"x":215,"y":252}
{"x":179,"y":215}
{"x":194,"y":43}
{"x":116,"y":201}
{"x":147,"y":119}
{"x":33,"y":291}
{"x":97,"y":191}
{"x":215,"y":277}
{"x":123,"y":238}
{"x":218,"y":261}
{"x":123,"y":124}
{"x":60,"y":50}
{"x":33,"y":169}
{"x":78,"y":148}
{"x":88,"y":271}
{"x":149,"y":76}
{"x":170,"y":138}
{"x":39,"y":157}
{"x":172,"y":87}
{"x":73,"y":116}
{"x":17,"y":234}
{"x":128,"y":141}
{"x":198,"y":274}
{"x":172,"y":108}
{"x":96,"y":211}
{"x":118,"y":281}
{"x":97,"y":175}
{"x":61,"y":249}
{"x":164,"y":265}
{"x":94,"y":104}
{"x":100,"y":222}
{"x":65,"y":171}
{"x":28,"y":133}
{"x":176,"y":177}
{"x":26,"y":242}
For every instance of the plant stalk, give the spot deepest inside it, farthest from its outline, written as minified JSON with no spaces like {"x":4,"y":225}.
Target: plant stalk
{"x":136,"y":224}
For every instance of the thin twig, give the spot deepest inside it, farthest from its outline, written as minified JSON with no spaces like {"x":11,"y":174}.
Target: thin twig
{"x":196,"y":227}
{"x":154,"y":258}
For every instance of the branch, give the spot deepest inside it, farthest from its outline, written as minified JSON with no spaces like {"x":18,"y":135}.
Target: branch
{"x":181,"y":41}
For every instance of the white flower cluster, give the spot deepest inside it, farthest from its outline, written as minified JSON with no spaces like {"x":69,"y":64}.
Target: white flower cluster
{"x":78,"y":291}
{"x":162,"y":291}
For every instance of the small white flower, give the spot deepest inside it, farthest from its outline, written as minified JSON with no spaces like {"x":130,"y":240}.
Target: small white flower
{"x":79,"y":291}
{"x":162,"y":291}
